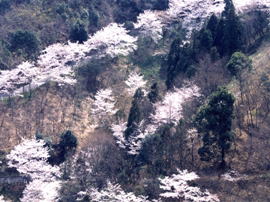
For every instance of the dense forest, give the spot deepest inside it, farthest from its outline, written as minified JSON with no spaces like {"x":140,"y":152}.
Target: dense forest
{"x":134,"y":100}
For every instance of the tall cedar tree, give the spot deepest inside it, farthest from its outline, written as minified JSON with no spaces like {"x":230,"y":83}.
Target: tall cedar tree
{"x":214,"y":120}
{"x":233,"y":36}
{"x":180,"y":58}
{"x":153,"y":95}
{"x":135,"y":114}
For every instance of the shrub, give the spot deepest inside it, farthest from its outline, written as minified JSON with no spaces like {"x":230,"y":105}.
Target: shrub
{"x":238,"y":62}
{"x":78,"y":33}
{"x":24,"y":40}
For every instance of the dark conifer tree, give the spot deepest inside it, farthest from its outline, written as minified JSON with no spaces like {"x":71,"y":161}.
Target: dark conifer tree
{"x":154,"y":93}
{"x":135,"y":114}
{"x":214,"y":120}
{"x":233,"y":36}
{"x":78,"y":33}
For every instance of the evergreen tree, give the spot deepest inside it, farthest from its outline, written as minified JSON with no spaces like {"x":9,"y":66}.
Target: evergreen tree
{"x":24,"y":40}
{"x":154,"y":93}
{"x":180,"y":58}
{"x":78,"y":33}
{"x":135,"y":114}
{"x":214,"y":120}
{"x":67,"y":145}
{"x":212,"y":24}
{"x":233,"y":36}
{"x":206,"y":39}
{"x":219,"y":37}
{"x":238,"y":62}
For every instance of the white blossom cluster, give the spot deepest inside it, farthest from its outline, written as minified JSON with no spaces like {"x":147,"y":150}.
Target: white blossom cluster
{"x":134,"y":82}
{"x":150,"y":25}
{"x":232,"y":176}
{"x":27,"y":76}
{"x":169,"y":110}
{"x":2,"y":198}
{"x":134,"y":143}
{"x":191,"y":13}
{"x":112,"y":193}
{"x":104,"y":106}
{"x":30,"y":158}
{"x":57,"y":61}
{"x":176,"y":187}
{"x":118,"y":132}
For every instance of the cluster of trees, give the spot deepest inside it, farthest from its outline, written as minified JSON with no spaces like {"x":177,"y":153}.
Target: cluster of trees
{"x":25,"y":41}
{"x":219,"y":37}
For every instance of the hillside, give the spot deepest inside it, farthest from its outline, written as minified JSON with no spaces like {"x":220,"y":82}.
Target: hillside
{"x":134,"y":100}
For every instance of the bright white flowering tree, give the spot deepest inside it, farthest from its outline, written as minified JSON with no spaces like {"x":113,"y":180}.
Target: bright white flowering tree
{"x":169,"y":110}
{"x":112,"y":193}
{"x":133,"y":144}
{"x":176,"y":187}
{"x":134,"y":82}
{"x":104,"y":106}
{"x":118,"y":132}
{"x":149,"y":25}
{"x":30,"y":158}
{"x":2,"y":198}
{"x":57,"y":61}
{"x":191,"y":13}
{"x":112,"y":40}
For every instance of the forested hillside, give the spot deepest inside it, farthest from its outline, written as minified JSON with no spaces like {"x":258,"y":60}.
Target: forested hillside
{"x":134,"y":100}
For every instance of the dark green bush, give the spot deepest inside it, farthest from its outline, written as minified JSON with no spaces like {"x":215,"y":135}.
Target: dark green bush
{"x":24,"y":40}
{"x":4,"y":6}
{"x":78,"y":33}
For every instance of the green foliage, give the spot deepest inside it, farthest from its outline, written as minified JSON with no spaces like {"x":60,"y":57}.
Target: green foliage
{"x":25,"y":41}
{"x":238,"y":62}
{"x":68,"y":141}
{"x":4,"y":6}
{"x":135,"y":114}
{"x":93,"y":17}
{"x":78,"y":33}
{"x":156,"y":151}
{"x":265,"y":82}
{"x":3,"y":65}
{"x":180,"y":58}
{"x":212,"y":24}
{"x":161,"y":4}
{"x":128,"y":11}
{"x":214,"y":120}
{"x":262,"y":21}
{"x":206,"y":39}
{"x":214,"y":54}
{"x":67,"y":146}
{"x":153,"y":95}
{"x":233,"y":36}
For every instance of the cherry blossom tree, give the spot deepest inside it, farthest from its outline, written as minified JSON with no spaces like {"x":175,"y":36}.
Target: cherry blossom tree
{"x":118,"y":132}
{"x":149,"y":25}
{"x":2,"y":198}
{"x":112,"y":193}
{"x":30,"y":158}
{"x":176,"y":187}
{"x":57,"y":62}
{"x":169,"y":110}
{"x":103,"y":106}
{"x":113,"y":40}
{"x":134,"y":82}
